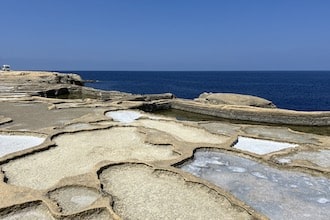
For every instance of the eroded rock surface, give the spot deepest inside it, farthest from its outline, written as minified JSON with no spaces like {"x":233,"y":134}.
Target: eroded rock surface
{"x":35,"y":116}
{"x":234,"y":99}
{"x":183,"y":132}
{"x":319,"y":157}
{"x":29,"y":211}
{"x":4,"y":119}
{"x":94,"y":165}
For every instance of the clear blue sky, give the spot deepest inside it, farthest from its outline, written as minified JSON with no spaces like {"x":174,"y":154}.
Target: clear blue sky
{"x":165,"y":34}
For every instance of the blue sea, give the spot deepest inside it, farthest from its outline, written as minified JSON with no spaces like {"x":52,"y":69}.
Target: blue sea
{"x":296,"y":90}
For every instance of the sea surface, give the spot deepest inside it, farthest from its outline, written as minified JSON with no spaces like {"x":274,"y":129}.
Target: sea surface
{"x":296,"y":90}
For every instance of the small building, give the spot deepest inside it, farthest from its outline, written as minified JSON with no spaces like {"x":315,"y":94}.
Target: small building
{"x":5,"y":67}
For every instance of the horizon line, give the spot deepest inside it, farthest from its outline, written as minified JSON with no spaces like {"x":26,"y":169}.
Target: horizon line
{"x":137,"y":70}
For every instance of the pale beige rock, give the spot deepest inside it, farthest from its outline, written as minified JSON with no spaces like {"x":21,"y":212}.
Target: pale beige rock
{"x":78,"y":153}
{"x":234,"y":99}
{"x":183,"y":132}
{"x":143,"y":193}
{"x":4,"y":119}
{"x":28,"y":212}
{"x":320,"y":158}
{"x":85,"y":144}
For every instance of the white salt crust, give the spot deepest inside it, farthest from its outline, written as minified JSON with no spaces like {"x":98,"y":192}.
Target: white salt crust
{"x":261,"y":147}
{"x":14,"y":143}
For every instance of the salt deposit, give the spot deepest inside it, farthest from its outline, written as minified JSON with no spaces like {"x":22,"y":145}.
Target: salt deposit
{"x":284,"y":160}
{"x":276,"y":193}
{"x":83,"y":150}
{"x":140,"y":192}
{"x":125,"y":116}
{"x":74,"y":198}
{"x":14,"y":143}
{"x":261,"y":147}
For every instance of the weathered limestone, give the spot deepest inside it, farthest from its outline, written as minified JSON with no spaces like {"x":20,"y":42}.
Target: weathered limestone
{"x":47,"y":84}
{"x":29,"y":211}
{"x":52,"y":85}
{"x":254,"y":114}
{"x":98,"y":165}
{"x":234,"y":99}
{"x":184,"y":133}
{"x":319,"y":157}
{"x":33,"y":77}
{"x":4,"y":120}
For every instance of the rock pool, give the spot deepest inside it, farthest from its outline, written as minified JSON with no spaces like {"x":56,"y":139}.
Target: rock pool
{"x":276,"y":193}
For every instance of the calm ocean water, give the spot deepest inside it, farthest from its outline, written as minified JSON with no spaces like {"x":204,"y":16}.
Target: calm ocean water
{"x":298,"y":90}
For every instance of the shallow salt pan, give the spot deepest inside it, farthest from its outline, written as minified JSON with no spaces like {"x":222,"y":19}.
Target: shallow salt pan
{"x":74,"y":198}
{"x":124,"y":116}
{"x":277,"y":194}
{"x":14,"y":143}
{"x":261,"y":147}
{"x":77,"y":153}
{"x":140,"y":192}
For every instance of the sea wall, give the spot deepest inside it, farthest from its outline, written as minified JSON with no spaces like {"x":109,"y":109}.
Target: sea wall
{"x":254,"y":114}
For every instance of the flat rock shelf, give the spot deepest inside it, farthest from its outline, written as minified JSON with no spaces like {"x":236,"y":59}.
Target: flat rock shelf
{"x":72,"y":152}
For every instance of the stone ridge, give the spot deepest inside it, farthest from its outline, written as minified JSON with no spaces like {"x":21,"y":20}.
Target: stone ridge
{"x":234,"y":99}
{"x":254,"y":114}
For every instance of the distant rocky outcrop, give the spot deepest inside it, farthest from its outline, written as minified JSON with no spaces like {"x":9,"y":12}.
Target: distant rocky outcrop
{"x":234,"y":99}
{"x":39,"y":83}
{"x":31,"y":77}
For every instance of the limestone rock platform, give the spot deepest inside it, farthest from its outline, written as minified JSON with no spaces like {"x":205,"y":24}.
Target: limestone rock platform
{"x":98,"y":155}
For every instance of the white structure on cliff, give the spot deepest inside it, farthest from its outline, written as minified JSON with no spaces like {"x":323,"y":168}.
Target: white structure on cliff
{"x":5,"y":67}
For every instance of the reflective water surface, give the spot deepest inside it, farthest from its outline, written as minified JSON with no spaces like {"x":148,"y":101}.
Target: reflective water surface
{"x":276,"y":193}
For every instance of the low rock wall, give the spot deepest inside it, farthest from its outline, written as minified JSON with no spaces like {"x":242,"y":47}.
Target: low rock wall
{"x":255,"y":114}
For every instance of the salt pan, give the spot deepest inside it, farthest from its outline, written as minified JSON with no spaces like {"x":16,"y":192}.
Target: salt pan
{"x":124,"y":116}
{"x":278,"y":194}
{"x":261,"y":147}
{"x":14,"y":143}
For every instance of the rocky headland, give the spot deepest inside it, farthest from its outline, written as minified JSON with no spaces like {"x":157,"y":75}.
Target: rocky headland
{"x":72,"y":152}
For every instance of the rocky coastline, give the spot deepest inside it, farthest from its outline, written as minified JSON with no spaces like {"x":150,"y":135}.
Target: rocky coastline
{"x":227,"y":106}
{"x":72,"y":152}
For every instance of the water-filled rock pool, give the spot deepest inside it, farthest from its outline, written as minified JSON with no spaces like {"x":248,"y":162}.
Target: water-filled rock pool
{"x":276,"y":193}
